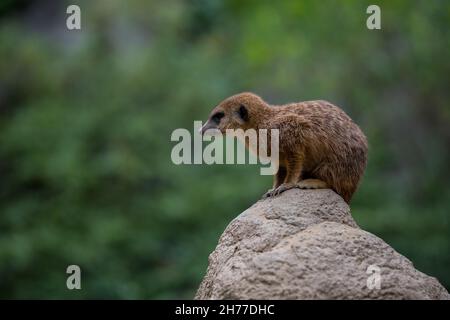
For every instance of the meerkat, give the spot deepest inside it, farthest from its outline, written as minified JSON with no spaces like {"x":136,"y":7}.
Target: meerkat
{"x":319,"y":145}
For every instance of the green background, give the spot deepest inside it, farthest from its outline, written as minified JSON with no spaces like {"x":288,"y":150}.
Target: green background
{"x":86,"y":117}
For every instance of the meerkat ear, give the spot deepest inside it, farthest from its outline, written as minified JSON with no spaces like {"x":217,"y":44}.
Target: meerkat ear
{"x":243,"y":113}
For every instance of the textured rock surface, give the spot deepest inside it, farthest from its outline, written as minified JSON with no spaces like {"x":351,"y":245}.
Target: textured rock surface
{"x":304,"y":244}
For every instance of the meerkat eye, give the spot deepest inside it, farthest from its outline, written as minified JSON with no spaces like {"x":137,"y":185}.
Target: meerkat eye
{"x":243,"y":113}
{"x":217,"y":116}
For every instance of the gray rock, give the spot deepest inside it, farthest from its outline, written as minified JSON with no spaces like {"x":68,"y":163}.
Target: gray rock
{"x":304,"y":244}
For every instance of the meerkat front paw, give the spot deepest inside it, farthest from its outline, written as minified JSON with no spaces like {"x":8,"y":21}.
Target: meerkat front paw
{"x":268,"y":194}
{"x":282,"y":188}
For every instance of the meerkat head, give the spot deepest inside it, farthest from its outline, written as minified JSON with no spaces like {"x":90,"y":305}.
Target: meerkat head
{"x":236,"y":112}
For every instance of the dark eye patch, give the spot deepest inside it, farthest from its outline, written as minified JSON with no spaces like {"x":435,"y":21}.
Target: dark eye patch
{"x":217,"y":116}
{"x":243,"y":113}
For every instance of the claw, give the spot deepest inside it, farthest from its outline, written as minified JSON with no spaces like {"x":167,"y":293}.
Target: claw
{"x":268,"y":194}
{"x":282,"y":188}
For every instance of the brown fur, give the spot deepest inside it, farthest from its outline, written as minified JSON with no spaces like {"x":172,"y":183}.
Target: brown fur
{"x":320,"y":146}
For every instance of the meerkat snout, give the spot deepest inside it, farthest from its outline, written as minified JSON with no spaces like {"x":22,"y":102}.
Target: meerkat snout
{"x":209,"y":129}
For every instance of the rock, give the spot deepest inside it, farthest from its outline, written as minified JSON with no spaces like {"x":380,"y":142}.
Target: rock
{"x":304,"y":244}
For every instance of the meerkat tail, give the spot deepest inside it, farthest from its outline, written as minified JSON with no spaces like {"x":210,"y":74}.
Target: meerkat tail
{"x":312,"y":184}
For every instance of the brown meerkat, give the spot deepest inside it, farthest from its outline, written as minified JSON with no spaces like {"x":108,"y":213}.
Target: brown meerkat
{"x":319,"y":145}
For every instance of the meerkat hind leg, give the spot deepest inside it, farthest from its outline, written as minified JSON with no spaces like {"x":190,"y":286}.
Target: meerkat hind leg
{"x":312,"y":184}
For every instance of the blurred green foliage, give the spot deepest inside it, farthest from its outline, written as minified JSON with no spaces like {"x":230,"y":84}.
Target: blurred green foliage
{"x":86,"y":118}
